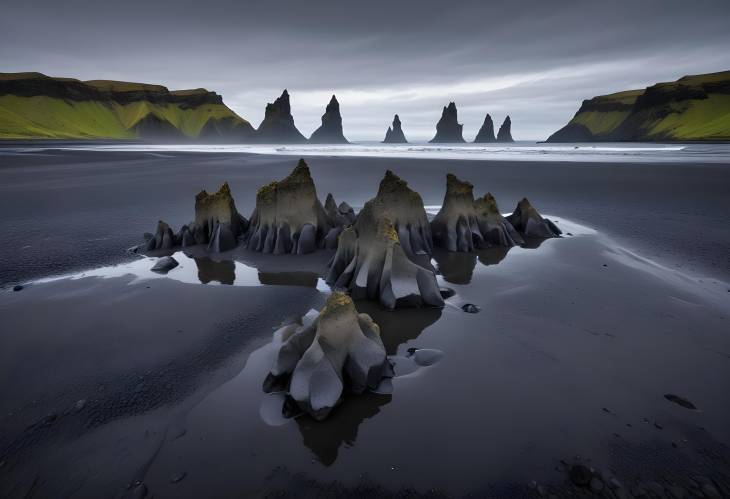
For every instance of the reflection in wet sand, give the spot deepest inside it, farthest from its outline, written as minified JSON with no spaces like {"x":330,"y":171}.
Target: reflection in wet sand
{"x":325,"y":438}
{"x":210,"y":270}
{"x":307,"y":279}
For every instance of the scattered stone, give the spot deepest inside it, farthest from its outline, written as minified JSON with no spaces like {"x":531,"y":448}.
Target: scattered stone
{"x":658,"y":426}
{"x":528,"y":221}
{"x":165,"y":264}
{"x":177,"y":477}
{"x":580,"y":475}
{"x":470,"y":308}
{"x":140,"y":491}
{"x":446,"y":292}
{"x":596,"y":484}
{"x":18,"y":287}
{"x":80,"y":404}
{"x":680,"y":401}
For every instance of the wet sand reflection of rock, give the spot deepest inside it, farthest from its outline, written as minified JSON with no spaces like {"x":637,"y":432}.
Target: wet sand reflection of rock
{"x":210,"y":270}
{"x":324,"y":438}
{"x":306,"y":279}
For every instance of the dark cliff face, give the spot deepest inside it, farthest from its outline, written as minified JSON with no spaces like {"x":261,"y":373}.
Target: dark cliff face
{"x":395,"y":134}
{"x":448,"y":128}
{"x":37,"y":84}
{"x":330,"y":132}
{"x":278,"y":124}
{"x":226,"y":130}
{"x":486,"y":132}
{"x":505,"y":131}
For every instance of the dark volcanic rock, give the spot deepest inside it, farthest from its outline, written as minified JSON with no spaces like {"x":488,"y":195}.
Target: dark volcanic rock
{"x":464,"y":225}
{"x":165,"y":264}
{"x":505,"y":131}
{"x":330,"y":132}
{"x":486,"y":132}
{"x":337,"y":349}
{"x":395,"y":134}
{"x":372,"y":258}
{"x":154,"y":128}
{"x":289,"y":218}
{"x":278,"y":124}
{"x":448,"y":129}
{"x":680,"y":401}
{"x":528,"y":221}
{"x":217,"y":224}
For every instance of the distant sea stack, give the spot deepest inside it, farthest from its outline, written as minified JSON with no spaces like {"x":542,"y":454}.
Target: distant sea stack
{"x":448,"y":129}
{"x":36,"y":106}
{"x":278,"y":124}
{"x":394,"y":134}
{"x":693,"y":108}
{"x":330,"y":132}
{"x":486,"y":132}
{"x":505,"y":131}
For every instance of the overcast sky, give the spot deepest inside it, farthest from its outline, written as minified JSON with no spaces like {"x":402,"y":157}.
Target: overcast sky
{"x":535,"y":60}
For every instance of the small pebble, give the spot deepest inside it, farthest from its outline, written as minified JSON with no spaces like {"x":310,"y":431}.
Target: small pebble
{"x":80,"y":404}
{"x":178,"y":476}
{"x":17,"y":287}
{"x":470,"y":308}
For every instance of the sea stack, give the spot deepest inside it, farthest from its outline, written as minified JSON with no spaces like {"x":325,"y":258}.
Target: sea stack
{"x":278,"y":124}
{"x":372,"y":258}
{"x":394,"y":134}
{"x":335,"y":350}
{"x":464,"y":225}
{"x":330,"y":132}
{"x":505,"y":131}
{"x":528,"y":221}
{"x":448,"y":129}
{"x":289,"y":218}
{"x":486,"y":132}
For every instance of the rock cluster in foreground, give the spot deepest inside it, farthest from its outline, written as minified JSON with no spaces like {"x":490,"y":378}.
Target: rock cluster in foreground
{"x":289,"y":218}
{"x":217,"y":224}
{"x":465,"y":225}
{"x":528,"y":221}
{"x":338,"y":350}
{"x":372,"y":258}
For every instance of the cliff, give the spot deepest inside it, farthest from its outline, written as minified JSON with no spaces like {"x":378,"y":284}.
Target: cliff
{"x":36,"y":106}
{"x":693,"y":108}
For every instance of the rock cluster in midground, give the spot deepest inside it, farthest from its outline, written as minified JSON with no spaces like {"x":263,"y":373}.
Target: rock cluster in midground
{"x":382,"y":254}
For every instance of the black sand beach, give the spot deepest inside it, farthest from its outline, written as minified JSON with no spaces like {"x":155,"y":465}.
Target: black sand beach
{"x":583,"y":352}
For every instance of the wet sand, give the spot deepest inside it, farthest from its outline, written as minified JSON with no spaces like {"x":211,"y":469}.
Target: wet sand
{"x":109,"y":379}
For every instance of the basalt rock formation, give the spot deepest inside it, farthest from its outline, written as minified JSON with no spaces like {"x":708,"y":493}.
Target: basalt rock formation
{"x":448,"y":129}
{"x":217,"y":224}
{"x":394,"y":134}
{"x":335,"y":351}
{"x":289,"y":218}
{"x":505,"y":131}
{"x":693,"y":108}
{"x":528,"y":221}
{"x":464,"y":225}
{"x":486,"y":132}
{"x":330,"y":132}
{"x":372,"y":258}
{"x":278,"y":124}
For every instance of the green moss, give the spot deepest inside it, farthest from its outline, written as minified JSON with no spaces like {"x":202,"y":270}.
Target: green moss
{"x":47,"y":117}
